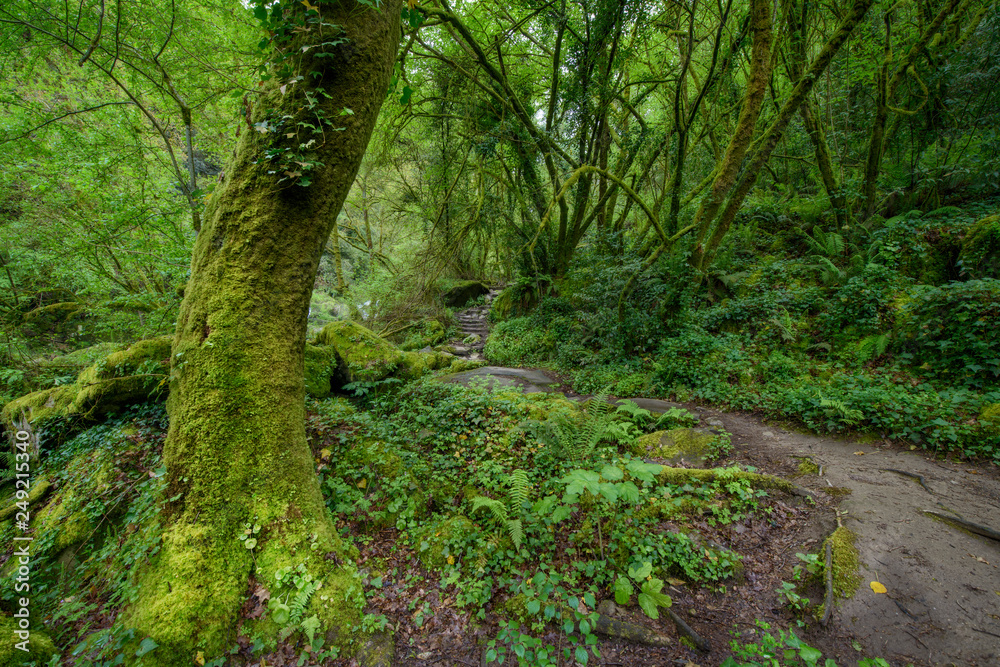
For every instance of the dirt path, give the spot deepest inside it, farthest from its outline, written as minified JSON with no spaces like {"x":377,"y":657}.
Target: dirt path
{"x":942,"y":605}
{"x":943,"y":600}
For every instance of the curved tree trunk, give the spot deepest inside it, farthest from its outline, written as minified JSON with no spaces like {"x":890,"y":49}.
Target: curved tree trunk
{"x":236,"y":451}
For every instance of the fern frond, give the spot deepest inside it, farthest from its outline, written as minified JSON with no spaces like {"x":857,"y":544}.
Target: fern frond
{"x":520,"y":491}
{"x":497,"y":508}
{"x":516,"y":532}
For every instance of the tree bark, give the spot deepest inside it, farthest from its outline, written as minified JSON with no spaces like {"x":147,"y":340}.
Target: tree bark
{"x":236,"y":450}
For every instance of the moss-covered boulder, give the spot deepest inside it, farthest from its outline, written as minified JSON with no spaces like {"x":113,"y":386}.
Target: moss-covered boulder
{"x":693,"y":446}
{"x":980,"y":253}
{"x":462,"y":293}
{"x":362,"y":355}
{"x":55,"y":316}
{"x":346,"y":352}
{"x":989,"y":421}
{"x":40,"y":646}
{"x":428,"y":333}
{"x":122,"y":378}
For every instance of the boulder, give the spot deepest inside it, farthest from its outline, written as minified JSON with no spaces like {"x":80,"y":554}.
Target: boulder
{"x":120,"y":379}
{"x":464,"y":292}
{"x":689,"y":445}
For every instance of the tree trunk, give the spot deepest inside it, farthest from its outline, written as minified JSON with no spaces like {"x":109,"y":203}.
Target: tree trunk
{"x":236,"y":451}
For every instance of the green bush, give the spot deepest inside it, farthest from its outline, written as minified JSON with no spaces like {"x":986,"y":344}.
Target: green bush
{"x":950,"y":332}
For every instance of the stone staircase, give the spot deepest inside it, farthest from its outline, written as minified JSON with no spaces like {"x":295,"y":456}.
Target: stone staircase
{"x":475,"y":329}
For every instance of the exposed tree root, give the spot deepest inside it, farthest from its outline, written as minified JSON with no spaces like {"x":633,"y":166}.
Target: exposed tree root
{"x":828,"y":572}
{"x":919,"y":478}
{"x":968,"y":525}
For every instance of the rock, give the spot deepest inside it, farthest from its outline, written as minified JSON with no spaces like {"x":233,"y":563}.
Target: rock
{"x":531,"y":381}
{"x":608,"y":608}
{"x":714,"y":422}
{"x":688,"y":445}
{"x":464,"y":292}
{"x":120,"y":379}
{"x":473,"y":339}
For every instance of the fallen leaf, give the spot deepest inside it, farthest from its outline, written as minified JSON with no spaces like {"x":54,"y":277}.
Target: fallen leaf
{"x":325,"y":453}
{"x":200,"y":658}
{"x":878,"y":588}
{"x":859,"y":453}
{"x":363,"y":483}
{"x":451,"y":560}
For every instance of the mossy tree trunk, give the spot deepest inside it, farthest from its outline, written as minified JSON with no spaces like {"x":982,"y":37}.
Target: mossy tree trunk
{"x":236,"y":451}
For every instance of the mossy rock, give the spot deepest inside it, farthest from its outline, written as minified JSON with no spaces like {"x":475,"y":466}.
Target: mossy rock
{"x":690,"y":445}
{"x":64,"y":517}
{"x":435,"y":554}
{"x":40,"y":646}
{"x":463,"y":292}
{"x":426,"y":334}
{"x":39,"y":488}
{"x":122,"y":378}
{"x":54,"y":315}
{"x":362,"y":355}
{"x":980,"y":253}
{"x":321,"y":364}
{"x":989,"y":420}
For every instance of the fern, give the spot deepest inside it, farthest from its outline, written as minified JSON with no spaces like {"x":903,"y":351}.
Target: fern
{"x":848,"y":415}
{"x":632,"y":409}
{"x":873,"y":346}
{"x":300,"y":601}
{"x":518,"y":493}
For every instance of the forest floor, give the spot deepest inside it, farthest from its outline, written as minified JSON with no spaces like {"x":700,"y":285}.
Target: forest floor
{"x":942,"y":605}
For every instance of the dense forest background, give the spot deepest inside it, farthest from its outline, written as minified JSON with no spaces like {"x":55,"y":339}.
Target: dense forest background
{"x":772,"y":215}
{"x":790,"y":208}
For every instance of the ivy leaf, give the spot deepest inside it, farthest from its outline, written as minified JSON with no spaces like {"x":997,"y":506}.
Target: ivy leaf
{"x":145,"y":647}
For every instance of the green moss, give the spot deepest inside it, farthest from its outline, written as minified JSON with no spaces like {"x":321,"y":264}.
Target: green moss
{"x":120,"y":379}
{"x":464,"y":291}
{"x":516,"y":609}
{"x":63,"y":523}
{"x":362,"y":354}
{"x":40,"y":647}
{"x":980,"y":253}
{"x":989,"y":419}
{"x":321,"y":364}
{"x":688,"y":444}
{"x":807,"y":467}
{"x":39,"y":488}
{"x":846,"y":562}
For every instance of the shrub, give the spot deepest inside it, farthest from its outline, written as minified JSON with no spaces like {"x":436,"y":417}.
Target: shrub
{"x":950,"y":332}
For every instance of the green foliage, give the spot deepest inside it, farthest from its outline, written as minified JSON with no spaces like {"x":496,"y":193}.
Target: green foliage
{"x":949,"y":332}
{"x":509,"y":514}
{"x":650,"y":596}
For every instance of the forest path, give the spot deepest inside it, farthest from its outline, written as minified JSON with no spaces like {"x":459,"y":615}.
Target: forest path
{"x":942,"y":605}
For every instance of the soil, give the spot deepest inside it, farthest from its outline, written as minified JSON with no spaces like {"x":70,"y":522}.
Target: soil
{"x":941,"y":608}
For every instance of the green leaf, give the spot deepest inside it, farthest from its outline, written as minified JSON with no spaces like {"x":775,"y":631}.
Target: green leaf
{"x":648,"y":605}
{"x":310,"y":626}
{"x":581,"y":655}
{"x":612,"y":473}
{"x":810,"y":654}
{"x":628,"y":492}
{"x":623,"y":590}
{"x":534,"y":606}
{"x":609,"y":491}
{"x":641,"y":572}
{"x":145,"y":647}
{"x":407,"y":93}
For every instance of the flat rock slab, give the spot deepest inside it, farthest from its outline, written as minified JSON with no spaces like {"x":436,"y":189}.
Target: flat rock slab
{"x":655,"y":405}
{"x":498,"y":376}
